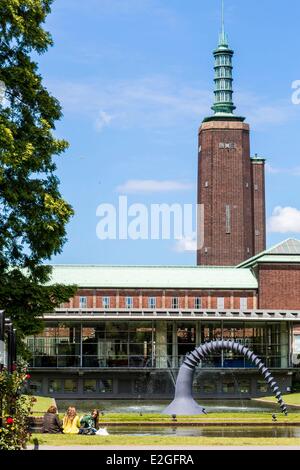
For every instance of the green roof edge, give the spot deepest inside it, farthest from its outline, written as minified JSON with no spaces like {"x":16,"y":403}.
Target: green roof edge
{"x":251,"y":261}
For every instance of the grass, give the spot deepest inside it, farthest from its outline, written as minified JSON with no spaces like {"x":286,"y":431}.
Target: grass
{"x":134,"y":418}
{"x":66,"y":440}
{"x":41,"y":405}
{"x":291,"y":399}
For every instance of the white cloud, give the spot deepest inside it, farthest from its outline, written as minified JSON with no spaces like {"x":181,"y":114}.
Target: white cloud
{"x":152,"y":186}
{"x":277,"y":171}
{"x":103,"y":120}
{"x":274,"y":171}
{"x":158,"y":102}
{"x":151,"y":102}
{"x":187,"y":244}
{"x":284,"y":220}
{"x":260,"y":112}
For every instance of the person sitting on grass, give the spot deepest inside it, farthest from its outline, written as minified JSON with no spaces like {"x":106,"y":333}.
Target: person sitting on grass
{"x":71,"y":421}
{"x":52,"y":423}
{"x":89,"y":424}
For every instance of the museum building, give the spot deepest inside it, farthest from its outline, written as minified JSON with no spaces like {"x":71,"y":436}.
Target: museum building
{"x":128,"y":329}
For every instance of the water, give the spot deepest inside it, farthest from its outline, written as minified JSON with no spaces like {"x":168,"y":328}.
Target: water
{"x":146,"y":407}
{"x":212,"y":406}
{"x":215,"y":431}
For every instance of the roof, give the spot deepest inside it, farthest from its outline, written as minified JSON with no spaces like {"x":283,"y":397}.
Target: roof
{"x":151,"y":277}
{"x":287,"y":251}
{"x":288,"y":247}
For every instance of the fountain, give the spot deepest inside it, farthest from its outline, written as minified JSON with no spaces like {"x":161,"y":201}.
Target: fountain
{"x":184,"y":403}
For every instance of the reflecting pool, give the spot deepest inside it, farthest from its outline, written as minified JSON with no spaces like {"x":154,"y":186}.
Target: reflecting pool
{"x":212,"y":406}
{"x":215,"y":431}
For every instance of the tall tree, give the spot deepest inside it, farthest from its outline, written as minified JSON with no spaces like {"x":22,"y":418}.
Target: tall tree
{"x":33,"y":214}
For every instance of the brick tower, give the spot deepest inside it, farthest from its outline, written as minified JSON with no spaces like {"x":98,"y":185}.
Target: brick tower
{"x":231,"y":185}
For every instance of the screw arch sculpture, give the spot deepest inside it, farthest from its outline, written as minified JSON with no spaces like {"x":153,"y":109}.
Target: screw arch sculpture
{"x":184,"y":404}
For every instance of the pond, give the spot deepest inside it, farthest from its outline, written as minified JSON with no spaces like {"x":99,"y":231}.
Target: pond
{"x":215,"y":431}
{"x":212,"y":406}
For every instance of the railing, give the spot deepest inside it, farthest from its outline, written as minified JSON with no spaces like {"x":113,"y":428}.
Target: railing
{"x":75,"y":313}
{"x":158,"y":363}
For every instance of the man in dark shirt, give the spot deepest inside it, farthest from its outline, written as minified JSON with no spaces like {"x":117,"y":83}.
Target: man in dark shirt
{"x":52,"y":423}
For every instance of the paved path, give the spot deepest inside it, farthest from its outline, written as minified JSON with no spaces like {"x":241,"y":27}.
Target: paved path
{"x":185,"y":448}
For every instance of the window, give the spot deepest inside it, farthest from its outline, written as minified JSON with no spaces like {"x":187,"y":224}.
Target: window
{"x":198,"y":303}
{"x":36,"y":386}
{"x":244,"y":386}
{"x":244,"y":303}
{"x":70,"y":386}
{"x":296,"y":348}
{"x":228,"y":386}
{"x":175,"y":303}
{"x":262,"y":386}
{"x":82,"y":302}
{"x":54,"y":386}
{"x":106,"y":302}
{"x":152,"y":303}
{"x":220,"y":303}
{"x":228,"y":220}
{"x":209,"y":386}
{"x":89,"y":386}
{"x":129,"y":302}
{"x":106,"y":386}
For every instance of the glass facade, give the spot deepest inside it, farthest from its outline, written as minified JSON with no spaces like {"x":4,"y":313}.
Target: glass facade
{"x":296,"y":345}
{"x":155,"y":344}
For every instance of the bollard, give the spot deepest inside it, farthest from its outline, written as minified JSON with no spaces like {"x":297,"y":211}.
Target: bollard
{"x":36,"y":444}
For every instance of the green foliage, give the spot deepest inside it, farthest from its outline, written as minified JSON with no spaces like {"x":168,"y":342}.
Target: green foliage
{"x":25,"y":301}
{"x":33,"y":214}
{"x":15,"y":409}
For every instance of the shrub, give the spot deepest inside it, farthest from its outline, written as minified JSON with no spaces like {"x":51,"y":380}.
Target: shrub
{"x":15,"y":409}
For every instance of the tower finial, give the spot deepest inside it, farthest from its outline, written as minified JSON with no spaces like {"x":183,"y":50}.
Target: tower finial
{"x":223,"y":74}
{"x":223,"y":41}
{"x":223,"y":22}
{"x":223,"y":104}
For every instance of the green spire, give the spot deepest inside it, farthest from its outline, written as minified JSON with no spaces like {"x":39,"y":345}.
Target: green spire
{"x":223,"y":40}
{"x":223,"y":105}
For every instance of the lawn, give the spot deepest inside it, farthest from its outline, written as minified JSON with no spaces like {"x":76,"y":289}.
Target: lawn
{"x":66,"y":440}
{"x":41,"y":405}
{"x":291,"y":399}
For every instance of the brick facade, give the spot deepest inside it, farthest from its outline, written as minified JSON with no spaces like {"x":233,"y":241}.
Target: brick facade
{"x":279,"y":287}
{"x":225,"y":188}
{"x":259,"y":205}
{"x":163,"y":298}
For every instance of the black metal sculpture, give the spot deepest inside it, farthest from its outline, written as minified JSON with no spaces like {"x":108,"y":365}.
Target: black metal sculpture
{"x":184,"y":404}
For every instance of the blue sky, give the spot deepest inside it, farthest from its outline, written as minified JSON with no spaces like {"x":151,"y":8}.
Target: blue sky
{"x":135,"y":79}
